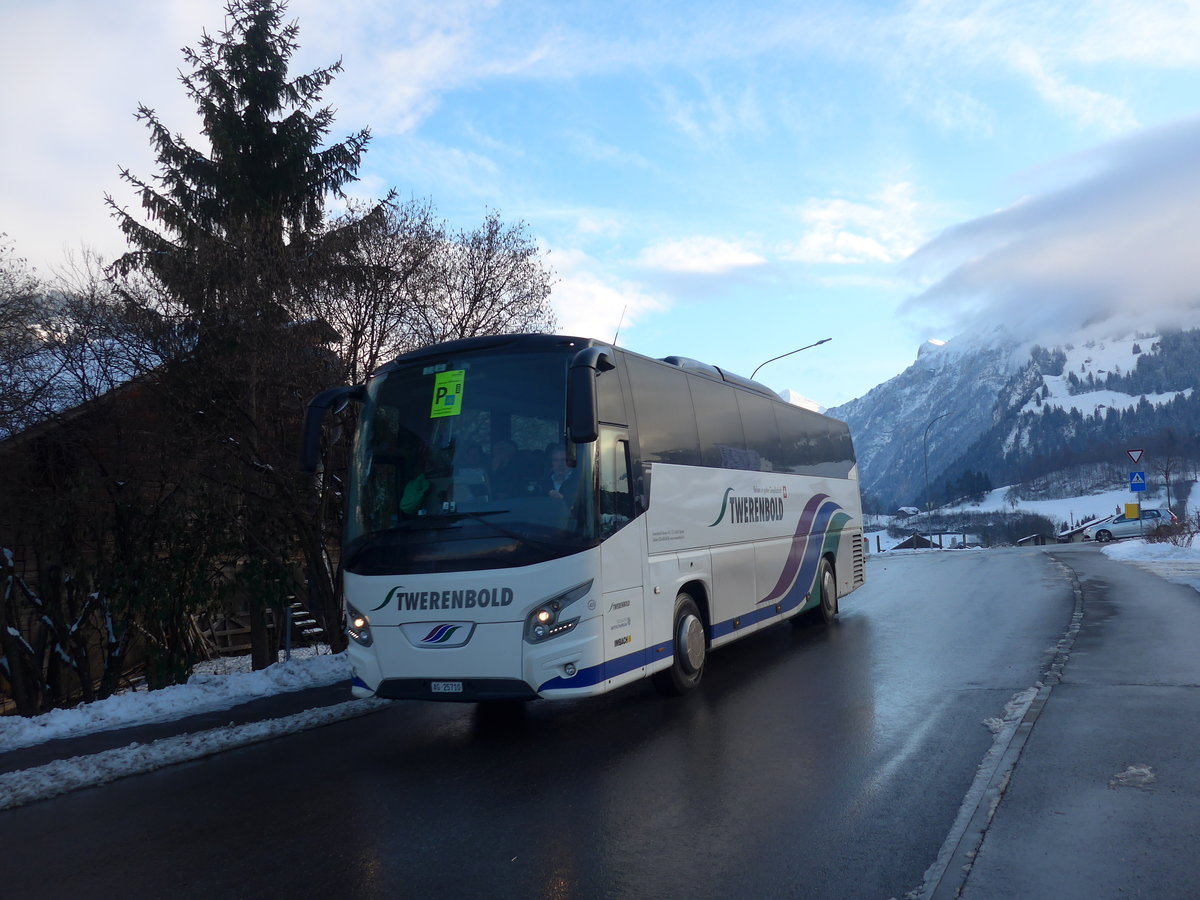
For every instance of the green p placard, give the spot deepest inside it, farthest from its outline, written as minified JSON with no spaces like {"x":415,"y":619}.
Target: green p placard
{"x":447,"y":393}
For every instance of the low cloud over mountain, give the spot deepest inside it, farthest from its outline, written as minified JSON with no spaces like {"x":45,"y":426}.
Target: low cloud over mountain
{"x":1115,"y":242}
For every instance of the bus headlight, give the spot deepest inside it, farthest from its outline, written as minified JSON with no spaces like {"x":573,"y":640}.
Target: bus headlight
{"x":552,"y":618}
{"x":358,"y":627}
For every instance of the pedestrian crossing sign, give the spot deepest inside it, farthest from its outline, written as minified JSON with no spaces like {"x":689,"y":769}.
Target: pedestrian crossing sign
{"x":1137,"y":481}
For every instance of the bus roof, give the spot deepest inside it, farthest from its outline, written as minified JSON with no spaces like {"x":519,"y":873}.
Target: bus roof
{"x":537,"y":342}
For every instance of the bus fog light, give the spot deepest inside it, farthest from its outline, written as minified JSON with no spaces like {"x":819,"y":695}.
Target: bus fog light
{"x":569,"y":670}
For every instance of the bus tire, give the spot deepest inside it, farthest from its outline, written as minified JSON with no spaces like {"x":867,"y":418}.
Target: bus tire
{"x":690,"y":650}
{"x":826,"y":610}
{"x":828,"y":587}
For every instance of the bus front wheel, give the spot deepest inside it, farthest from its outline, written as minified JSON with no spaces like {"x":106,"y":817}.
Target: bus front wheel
{"x":690,"y":650}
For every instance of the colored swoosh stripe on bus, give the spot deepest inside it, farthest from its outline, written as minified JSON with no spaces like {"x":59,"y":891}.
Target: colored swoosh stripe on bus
{"x":440,"y":634}
{"x":724,"y":506}
{"x":819,"y":544}
{"x":800,"y":551}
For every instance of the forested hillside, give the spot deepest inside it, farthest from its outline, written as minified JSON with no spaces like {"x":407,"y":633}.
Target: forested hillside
{"x":1153,"y":406}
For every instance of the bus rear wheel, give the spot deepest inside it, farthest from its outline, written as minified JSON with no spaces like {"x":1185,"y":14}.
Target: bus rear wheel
{"x":829,"y":597}
{"x":690,"y":650}
{"x":827,"y":610}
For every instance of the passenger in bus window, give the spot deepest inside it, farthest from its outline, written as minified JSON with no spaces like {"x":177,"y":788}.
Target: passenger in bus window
{"x":562,"y":482}
{"x":470,"y":472}
{"x":505,"y":473}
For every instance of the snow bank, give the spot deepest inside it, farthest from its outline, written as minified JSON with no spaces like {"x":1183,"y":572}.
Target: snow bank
{"x":65,"y":775}
{"x":205,"y":692}
{"x":1140,"y":551}
{"x":1179,"y":565}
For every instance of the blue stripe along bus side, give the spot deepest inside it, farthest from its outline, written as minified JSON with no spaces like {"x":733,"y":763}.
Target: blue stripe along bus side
{"x":610,"y":668}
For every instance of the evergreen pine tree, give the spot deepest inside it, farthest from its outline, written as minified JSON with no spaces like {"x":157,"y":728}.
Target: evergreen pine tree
{"x":241,"y":227}
{"x":237,"y":239}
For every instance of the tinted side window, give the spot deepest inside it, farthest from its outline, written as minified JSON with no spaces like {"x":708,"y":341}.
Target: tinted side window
{"x":722,"y":445}
{"x":665,"y":420}
{"x":610,"y":400}
{"x":762,"y":434}
{"x":813,"y":444}
{"x":795,"y":450}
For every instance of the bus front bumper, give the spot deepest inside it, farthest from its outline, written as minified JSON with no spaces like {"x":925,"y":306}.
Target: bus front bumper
{"x":497,"y":664}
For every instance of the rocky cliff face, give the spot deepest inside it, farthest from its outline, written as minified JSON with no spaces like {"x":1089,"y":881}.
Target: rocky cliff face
{"x":943,"y":401}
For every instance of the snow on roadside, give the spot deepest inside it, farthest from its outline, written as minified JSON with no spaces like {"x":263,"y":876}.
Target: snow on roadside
{"x":66,"y":775}
{"x":219,"y":685}
{"x":1140,"y":551}
{"x":1180,"y":565}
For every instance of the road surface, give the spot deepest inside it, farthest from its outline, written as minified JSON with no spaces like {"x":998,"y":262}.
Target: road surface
{"x":813,"y":762}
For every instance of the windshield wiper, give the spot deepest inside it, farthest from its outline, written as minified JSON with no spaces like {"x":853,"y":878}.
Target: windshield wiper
{"x":375,"y":538}
{"x":507,"y":532}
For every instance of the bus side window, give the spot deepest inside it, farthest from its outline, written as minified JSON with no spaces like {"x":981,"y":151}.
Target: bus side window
{"x":610,"y":400}
{"x":616,"y":491}
{"x":722,"y":442}
{"x":666,"y":420}
{"x":762,"y":433}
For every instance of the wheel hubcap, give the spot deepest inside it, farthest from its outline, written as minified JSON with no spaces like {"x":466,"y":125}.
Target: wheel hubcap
{"x":691,"y":642}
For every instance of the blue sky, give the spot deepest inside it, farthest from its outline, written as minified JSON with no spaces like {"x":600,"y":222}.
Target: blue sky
{"x":735,"y":180}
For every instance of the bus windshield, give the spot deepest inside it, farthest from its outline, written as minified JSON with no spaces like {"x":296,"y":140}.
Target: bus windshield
{"x":460,"y":463}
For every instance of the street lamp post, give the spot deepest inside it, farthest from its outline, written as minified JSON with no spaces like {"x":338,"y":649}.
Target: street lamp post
{"x":925,"y":452}
{"x":789,"y":353}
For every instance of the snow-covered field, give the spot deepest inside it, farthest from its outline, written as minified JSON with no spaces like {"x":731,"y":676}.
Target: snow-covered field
{"x":1069,"y":509}
{"x":1072,"y":510}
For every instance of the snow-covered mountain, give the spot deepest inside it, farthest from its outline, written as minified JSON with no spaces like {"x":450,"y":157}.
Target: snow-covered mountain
{"x":942,"y":402}
{"x":990,"y":403}
{"x":797,"y":399}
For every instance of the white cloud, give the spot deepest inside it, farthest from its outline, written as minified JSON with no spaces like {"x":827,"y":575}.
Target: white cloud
{"x":879,"y":229}
{"x":712,"y":115}
{"x":401,"y":58}
{"x":1162,"y":35}
{"x":68,"y":111}
{"x":1089,"y":107}
{"x":590,"y":147}
{"x":589,"y":304}
{"x":1054,"y":48}
{"x":698,"y":256}
{"x":1118,"y":241}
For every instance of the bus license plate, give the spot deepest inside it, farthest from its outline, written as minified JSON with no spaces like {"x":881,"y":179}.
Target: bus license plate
{"x":446,"y":687}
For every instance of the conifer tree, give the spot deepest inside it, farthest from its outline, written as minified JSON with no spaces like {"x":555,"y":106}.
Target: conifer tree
{"x":240,"y":228}
{"x":236,"y":237}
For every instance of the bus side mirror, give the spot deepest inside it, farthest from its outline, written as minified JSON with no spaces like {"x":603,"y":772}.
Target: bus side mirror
{"x":582,"y":419}
{"x":310,"y":440}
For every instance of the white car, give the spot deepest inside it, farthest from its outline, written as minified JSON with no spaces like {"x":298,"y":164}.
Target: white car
{"x":1153,"y":522}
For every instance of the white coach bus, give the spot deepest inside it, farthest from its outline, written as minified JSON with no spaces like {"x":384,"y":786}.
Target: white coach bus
{"x":545,"y":516}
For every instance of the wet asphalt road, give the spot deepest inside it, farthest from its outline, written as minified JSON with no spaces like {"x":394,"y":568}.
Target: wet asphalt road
{"x":813,"y":762}
{"x":1105,"y":801}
